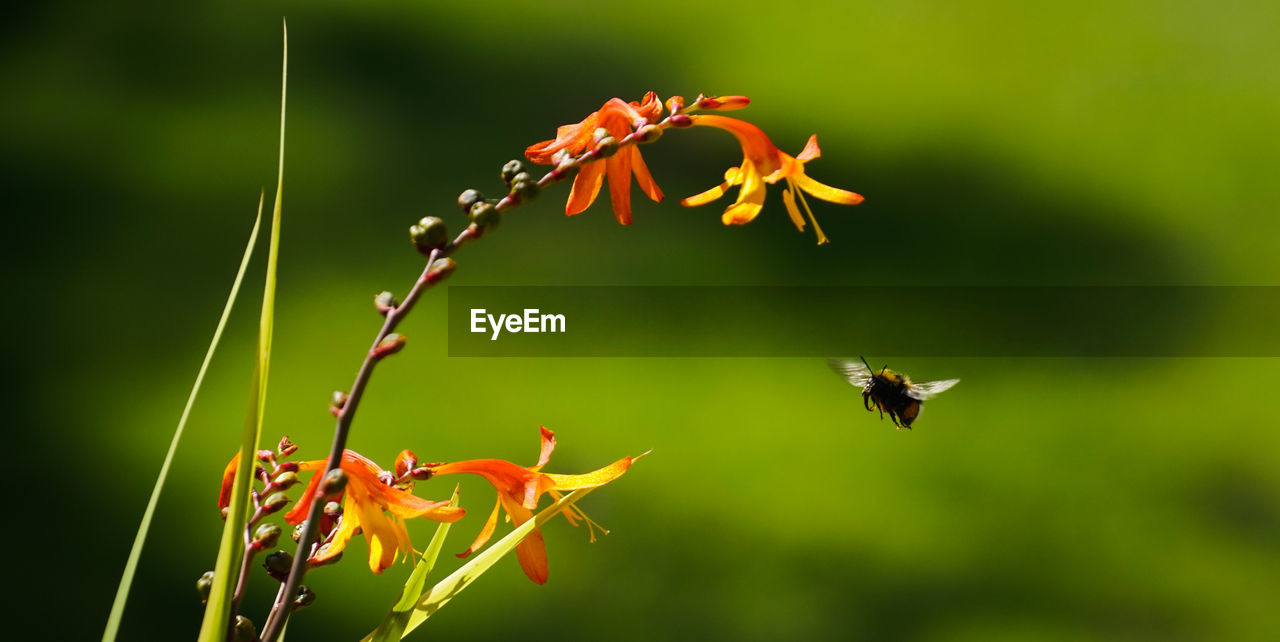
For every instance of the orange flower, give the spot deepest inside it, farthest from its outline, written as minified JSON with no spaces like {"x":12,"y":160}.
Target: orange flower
{"x":519,"y":489}
{"x":372,"y":507}
{"x":619,"y":118}
{"x":762,"y":163}
{"x":366,"y":497}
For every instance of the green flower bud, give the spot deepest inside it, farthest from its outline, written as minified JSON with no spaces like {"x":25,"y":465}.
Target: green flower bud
{"x":385,"y":302}
{"x":648,"y":133}
{"x":321,"y":551}
{"x":285,"y":480}
{"x":204,"y":585}
{"x":337,"y":401}
{"x":332,"y":509}
{"x":485,"y":215}
{"x":606,"y":147}
{"x":266,"y":536}
{"x":526,"y":190}
{"x":468,"y":199}
{"x":334,"y":481}
{"x":244,"y":631}
{"x":275,"y":501}
{"x":441,"y":269}
{"x":389,"y":345}
{"x":305,"y":596}
{"x":297,"y":532}
{"x":429,"y":234}
{"x":278,"y":563}
{"x":510,"y":170}
{"x":566,"y":169}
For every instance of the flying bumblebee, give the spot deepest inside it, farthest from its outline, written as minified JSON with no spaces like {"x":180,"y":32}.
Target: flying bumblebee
{"x":891,"y":392}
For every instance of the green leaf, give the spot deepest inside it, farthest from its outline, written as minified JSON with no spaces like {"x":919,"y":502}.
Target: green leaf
{"x":217,"y":613}
{"x":446,"y":589}
{"x":131,"y":566}
{"x":393,"y":625}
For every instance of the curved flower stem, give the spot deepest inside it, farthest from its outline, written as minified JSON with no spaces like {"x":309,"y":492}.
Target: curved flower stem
{"x":284,"y":603}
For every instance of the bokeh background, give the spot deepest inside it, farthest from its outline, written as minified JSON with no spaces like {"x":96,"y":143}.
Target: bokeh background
{"x":1083,"y":143}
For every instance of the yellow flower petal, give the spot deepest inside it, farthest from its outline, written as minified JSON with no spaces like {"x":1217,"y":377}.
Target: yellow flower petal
{"x":826,"y":192}
{"x":707,"y":196}
{"x":789,"y":199}
{"x":486,"y":532}
{"x":594,"y":478}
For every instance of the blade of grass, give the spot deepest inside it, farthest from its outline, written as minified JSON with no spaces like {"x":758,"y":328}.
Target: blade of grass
{"x":217,"y":613}
{"x":460,"y":579}
{"x":135,"y":553}
{"x":392,"y":627}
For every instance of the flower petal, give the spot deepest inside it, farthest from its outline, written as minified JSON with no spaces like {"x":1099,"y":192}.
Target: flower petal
{"x":592,"y":479}
{"x":811,"y":150}
{"x":228,"y":480}
{"x":643,"y":177}
{"x":789,"y":199}
{"x":750,"y":197}
{"x":826,"y":192}
{"x":302,"y":507}
{"x":347,"y":528}
{"x":486,"y":532}
{"x":618,"y":168}
{"x":378,"y":531}
{"x":548,"y":445}
{"x":585,"y":188}
{"x":532,"y":550}
{"x":707,"y":196}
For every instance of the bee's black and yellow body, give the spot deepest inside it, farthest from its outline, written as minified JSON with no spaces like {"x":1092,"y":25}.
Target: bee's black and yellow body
{"x":889,"y":391}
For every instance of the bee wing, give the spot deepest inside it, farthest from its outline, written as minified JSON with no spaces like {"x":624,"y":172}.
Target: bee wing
{"x":930,"y":389}
{"x":854,"y":372}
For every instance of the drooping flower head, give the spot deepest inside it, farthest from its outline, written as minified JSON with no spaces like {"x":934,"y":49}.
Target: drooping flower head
{"x":763,"y":162}
{"x":616,"y":119}
{"x":519,"y":488}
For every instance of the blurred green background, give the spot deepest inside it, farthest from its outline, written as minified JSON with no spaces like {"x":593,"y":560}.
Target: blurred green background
{"x":1084,"y":143}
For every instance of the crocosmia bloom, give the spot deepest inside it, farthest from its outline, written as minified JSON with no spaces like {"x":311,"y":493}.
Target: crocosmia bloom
{"x":519,"y":489}
{"x":619,"y":118}
{"x":762,"y":163}
{"x":369,"y":506}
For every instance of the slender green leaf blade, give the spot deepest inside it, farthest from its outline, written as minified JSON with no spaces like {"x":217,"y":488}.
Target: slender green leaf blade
{"x":135,"y":553}
{"x":217,"y":612}
{"x":446,"y":589}
{"x":392,"y":627}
